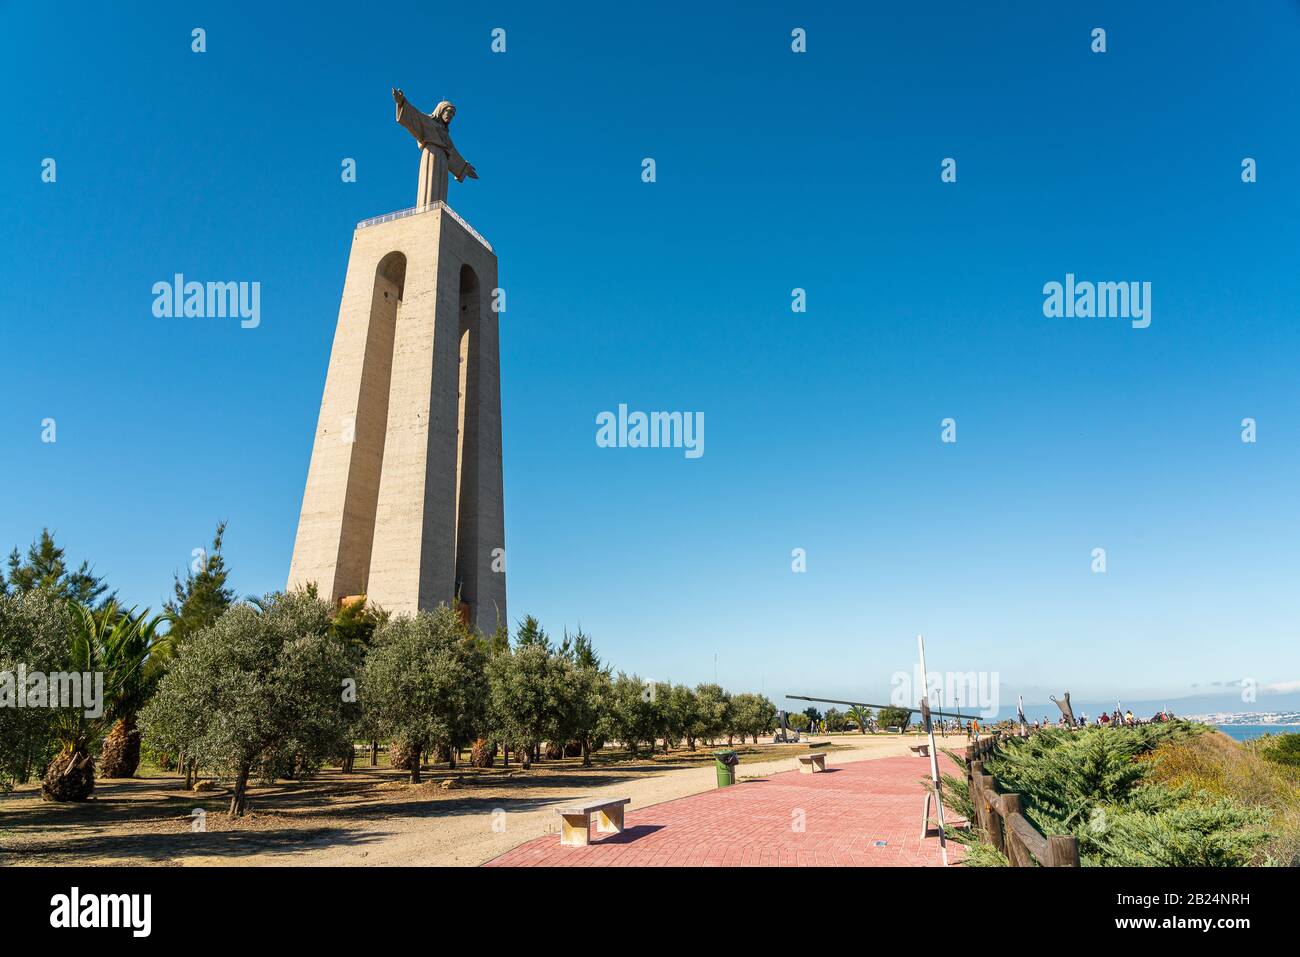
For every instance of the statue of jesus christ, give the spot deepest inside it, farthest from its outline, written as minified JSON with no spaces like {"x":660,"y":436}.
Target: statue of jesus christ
{"x":437,"y":152}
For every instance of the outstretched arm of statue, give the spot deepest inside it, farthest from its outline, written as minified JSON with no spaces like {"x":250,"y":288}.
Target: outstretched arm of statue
{"x":407,"y":115}
{"x":457,"y":165}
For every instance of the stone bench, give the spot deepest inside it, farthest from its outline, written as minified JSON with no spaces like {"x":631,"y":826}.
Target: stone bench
{"x":921,"y":750}
{"x":812,"y":763}
{"x":575,"y":820}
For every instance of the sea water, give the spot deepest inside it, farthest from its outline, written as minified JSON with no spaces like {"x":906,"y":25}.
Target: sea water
{"x":1245,"y":732}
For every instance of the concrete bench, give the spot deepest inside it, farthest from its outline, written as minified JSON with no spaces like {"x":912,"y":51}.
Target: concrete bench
{"x":812,"y":763}
{"x":921,"y":750}
{"x":575,"y":820}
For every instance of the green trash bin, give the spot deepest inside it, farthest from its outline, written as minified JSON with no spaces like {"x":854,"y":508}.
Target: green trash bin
{"x":725,"y":762}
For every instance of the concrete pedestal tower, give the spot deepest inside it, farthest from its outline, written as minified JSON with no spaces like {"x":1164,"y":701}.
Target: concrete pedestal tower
{"x":404,"y":497}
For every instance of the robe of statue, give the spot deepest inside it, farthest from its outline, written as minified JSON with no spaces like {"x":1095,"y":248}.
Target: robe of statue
{"x":438,"y":153}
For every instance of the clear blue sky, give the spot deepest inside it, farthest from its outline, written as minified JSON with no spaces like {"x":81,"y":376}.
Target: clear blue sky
{"x":775,"y":171}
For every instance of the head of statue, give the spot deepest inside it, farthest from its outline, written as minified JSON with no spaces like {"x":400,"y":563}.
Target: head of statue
{"x":444,"y":111}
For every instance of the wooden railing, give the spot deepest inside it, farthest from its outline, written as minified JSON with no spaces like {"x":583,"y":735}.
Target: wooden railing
{"x":983,"y":747}
{"x":1001,"y":818}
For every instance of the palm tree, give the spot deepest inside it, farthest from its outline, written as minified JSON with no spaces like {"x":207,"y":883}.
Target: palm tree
{"x":139,"y":642}
{"x":860,"y":716}
{"x":112,"y":647}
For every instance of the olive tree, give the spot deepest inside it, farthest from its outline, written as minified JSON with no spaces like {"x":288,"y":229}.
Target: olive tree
{"x":524,"y":706}
{"x":677,"y":713}
{"x":34,"y":628}
{"x":764,"y":717}
{"x":263,"y":685}
{"x":424,"y":683}
{"x":711,"y":717}
{"x":582,"y":693}
{"x":631,"y":715}
{"x":751,"y":714}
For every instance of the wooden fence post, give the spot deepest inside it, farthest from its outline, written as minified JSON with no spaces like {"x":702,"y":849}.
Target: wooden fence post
{"x":997,"y":831}
{"x":1062,"y":851}
{"x":1010,"y":805}
{"x":1002,"y":818}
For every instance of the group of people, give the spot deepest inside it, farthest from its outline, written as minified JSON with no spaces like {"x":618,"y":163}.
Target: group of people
{"x":1113,"y":719}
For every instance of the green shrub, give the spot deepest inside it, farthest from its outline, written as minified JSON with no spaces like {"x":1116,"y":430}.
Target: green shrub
{"x":1112,"y":790}
{"x":1281,"y":749}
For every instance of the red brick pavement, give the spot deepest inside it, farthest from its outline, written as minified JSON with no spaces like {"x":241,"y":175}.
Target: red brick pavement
{"x":846,"y":813}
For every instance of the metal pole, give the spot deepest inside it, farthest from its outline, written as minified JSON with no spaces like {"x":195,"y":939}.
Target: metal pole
{"x":867,"y":704}
{"x":934,"y":751}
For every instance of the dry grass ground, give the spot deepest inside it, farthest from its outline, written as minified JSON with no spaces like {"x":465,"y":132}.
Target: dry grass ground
{"x":1218,"y":765}
{"x":372,"y":816}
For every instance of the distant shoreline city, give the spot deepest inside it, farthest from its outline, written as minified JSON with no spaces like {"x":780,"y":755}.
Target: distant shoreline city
{"x":1284,"y":719}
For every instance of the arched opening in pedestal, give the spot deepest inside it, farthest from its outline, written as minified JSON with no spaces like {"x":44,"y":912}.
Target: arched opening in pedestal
{"x":370,"y":427}
{"x":467,"y":444}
